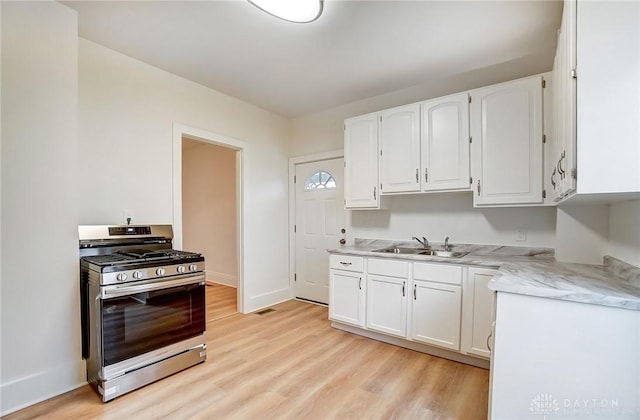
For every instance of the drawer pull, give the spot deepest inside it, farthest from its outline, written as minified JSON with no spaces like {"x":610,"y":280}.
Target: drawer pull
{"x":345,"y":263}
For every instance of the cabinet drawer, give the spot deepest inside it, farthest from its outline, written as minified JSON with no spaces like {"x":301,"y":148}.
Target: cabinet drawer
{"x":346,"y":262}
{"x":440,"y":273}
{"x":388,"y":268}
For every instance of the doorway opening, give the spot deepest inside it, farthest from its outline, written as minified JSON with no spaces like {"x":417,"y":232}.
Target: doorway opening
{"x":207,"y":203}
{"x":209,"y":222}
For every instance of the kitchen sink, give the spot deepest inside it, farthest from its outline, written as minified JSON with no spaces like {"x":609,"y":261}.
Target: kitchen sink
{"x":402,"y":250}
{"x":421,"y":251}
{"x":445,"y":254}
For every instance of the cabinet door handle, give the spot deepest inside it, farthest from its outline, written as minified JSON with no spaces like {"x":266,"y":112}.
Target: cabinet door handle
{"x":560,"y":170}
{"x":426,"y":175}
{"x":417,"y":175}
{"x":414,"y":292}
{"x":360,"y":283}
{"x":345,"y":263}
{"x":374,"y":193}
{"x":478,"y":188}
{"x":553,"y":175}
{"x":403,"y":284}
{"x":489,"y":341}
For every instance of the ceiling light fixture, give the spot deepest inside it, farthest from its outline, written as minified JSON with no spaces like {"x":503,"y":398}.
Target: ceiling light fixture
{"x":298,"y":11}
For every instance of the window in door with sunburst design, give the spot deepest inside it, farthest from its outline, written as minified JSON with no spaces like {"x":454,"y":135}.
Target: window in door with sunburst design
{"x":321,"y":180}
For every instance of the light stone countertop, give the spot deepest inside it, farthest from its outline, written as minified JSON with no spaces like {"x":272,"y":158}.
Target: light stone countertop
{"x":531,"y":271}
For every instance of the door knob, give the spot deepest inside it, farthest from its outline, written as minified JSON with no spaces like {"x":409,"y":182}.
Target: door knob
{"x":343,"y":241}
{"x":343,"y":230}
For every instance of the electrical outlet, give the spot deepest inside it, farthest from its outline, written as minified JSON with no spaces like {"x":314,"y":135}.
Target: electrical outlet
{"x":127,"y":217}
{"x":521,"y":235}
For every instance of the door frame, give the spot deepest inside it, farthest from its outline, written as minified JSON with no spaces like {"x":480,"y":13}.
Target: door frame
{"x":316,"y":157}
{"x":179,"y":132}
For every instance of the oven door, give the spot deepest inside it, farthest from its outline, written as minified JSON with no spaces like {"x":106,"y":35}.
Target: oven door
{"x":142,"y":323}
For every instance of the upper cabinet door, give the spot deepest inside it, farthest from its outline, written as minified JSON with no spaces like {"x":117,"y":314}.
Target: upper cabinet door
{"x":361,"y":162}
{"x":445,"y":143}
{"x":506,"y":129}
{"x":400,"y":149}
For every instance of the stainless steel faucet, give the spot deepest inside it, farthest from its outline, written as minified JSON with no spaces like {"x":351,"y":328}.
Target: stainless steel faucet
{"x":424,"y":242}
{"x":446,"y":244}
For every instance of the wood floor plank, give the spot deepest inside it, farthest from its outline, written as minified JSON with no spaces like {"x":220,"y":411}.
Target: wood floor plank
{"x":290,"y":364}
{"x":221,"y":301}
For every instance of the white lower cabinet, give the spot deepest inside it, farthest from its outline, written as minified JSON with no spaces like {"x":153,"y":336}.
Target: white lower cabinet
{"x":436,"y":305}
{"x":347,"y":290}
{"x":387,"y":282}
{"x":387,"y":305}
{"x":440,"y":305}
{"x":478,"y":312}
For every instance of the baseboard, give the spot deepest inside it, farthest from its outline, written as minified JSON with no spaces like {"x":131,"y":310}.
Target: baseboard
{"x":423,"y":348}
{"x":265,"y":300}
{"x":24,"y":392}
{"x":221,"y":278}
{"x":212,"y":282}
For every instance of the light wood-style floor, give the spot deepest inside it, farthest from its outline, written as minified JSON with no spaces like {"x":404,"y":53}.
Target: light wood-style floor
{"x":290,"y":364}
{"x":221,"y":301}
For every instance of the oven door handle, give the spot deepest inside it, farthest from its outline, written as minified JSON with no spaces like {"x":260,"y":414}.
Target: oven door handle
{"x":123,"y":290}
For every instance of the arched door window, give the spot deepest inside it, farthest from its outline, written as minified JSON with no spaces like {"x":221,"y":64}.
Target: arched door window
{"x":321,"y":180}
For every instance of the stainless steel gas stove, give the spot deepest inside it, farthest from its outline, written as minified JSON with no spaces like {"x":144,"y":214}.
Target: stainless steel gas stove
{"x":143,"y":306}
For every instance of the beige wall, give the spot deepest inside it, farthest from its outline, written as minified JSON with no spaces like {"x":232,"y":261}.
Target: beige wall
{"x":127,"y":113}
{"x":209,"y":208}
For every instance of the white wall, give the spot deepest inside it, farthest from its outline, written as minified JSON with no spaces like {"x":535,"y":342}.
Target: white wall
{"x":436,"y":216}
{"x":582,"y":233}
{"x":40,"y":294}
{"x":126,"y":112}
{"x":624,"y":231}
{"x":209,"y":208}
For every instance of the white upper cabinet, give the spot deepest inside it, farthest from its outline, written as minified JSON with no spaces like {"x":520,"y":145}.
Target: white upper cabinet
{"x":445,"y":143}
{"x":562,"y":168}
{"x":361,"y":162}
{"x":608,"y":92}
{"x":507,"y":144}
{"x":596,"y":108}
{"x":400,"y":149}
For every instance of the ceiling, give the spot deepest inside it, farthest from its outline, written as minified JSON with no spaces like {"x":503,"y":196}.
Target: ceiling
{"x":355,"y":50}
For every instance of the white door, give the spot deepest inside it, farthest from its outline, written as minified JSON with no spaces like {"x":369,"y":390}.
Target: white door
{"x":320,"y":224}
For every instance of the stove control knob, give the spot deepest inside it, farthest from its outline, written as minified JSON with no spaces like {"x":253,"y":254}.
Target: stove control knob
{"x":181,"y":269}
{"x":121,"y":277}
{"x":137,"y":275}
{"x":160,"y":271}
{"x":193,"y":267}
